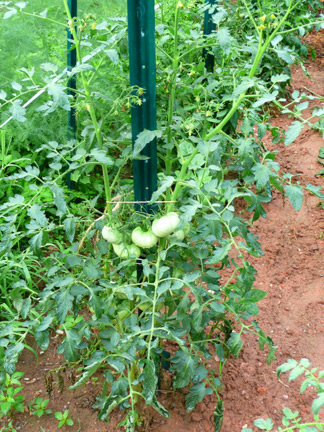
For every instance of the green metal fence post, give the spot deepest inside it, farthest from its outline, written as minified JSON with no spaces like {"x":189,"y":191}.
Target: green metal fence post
{"x":209,"y":27}
{"x":71,"y":63}
{"x":142,"y":61}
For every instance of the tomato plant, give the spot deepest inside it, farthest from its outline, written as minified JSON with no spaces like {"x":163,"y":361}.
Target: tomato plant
{"x":179,"y":279}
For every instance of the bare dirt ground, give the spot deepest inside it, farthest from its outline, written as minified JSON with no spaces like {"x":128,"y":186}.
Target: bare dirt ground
{"x":292,"y":272}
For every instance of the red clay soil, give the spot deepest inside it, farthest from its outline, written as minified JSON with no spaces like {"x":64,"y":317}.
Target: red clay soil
{"x":292,"y":272}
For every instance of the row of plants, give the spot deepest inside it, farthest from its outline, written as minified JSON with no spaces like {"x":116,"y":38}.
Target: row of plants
{"x":123,"y":288}
{"x":11,"y":401}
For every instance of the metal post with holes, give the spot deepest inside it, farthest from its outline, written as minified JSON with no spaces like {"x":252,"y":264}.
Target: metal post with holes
{"x":209,"y":27}
{"x":71,"y":63}
{"x":142,"y":64}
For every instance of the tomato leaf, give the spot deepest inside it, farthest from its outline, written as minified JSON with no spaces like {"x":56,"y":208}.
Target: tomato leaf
{"x":150,"y":381}
{"x":293,"y":132}
{"x":295,"y":195}
{"x":143,"y":139}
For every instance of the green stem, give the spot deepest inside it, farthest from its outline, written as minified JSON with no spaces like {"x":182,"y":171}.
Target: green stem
{"x":44,"y":18}
{"x":156,"y":285}
{"x":92,"y":112}
{"x":261,"y":50}
{"x":172,"y":92}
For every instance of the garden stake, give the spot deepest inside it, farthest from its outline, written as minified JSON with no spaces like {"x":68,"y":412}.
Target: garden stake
{"x":209,"y":27}
{"x":71,"y":63}
{"x":142,"y":63}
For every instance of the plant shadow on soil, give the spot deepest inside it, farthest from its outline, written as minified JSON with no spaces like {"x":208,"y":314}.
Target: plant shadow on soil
{"x":292,"y":314}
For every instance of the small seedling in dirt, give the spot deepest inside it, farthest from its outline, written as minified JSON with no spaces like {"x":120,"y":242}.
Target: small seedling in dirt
{"x":63,"y":418}
{"x":38,"y":407}
{"x":10,"y":401}
{"x":8,"y":428}
{"x":290,"y":419}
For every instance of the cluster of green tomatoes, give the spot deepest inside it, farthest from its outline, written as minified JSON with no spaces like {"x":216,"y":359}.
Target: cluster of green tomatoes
{"x":162,"y":227}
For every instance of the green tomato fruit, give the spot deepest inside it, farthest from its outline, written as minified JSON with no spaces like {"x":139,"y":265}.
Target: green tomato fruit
{"x":186,"y":229}
{"x":125,"y":251}
{"x":144,"y":239}
{"x":165,"y":225}
{"x":134,"y":250}
{"x":179,"y":234}
{"x":112,"y":235}
{"x":121,"y":250}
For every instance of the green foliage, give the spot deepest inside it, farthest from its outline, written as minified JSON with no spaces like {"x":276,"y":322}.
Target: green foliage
{"x":38,"y":407}
{"x":291,"y":420}
{"x":10,"y":400}
{"x":63,"y":418}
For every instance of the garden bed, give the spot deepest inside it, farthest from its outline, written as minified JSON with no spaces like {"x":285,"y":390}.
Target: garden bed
{"x":292,"y":314}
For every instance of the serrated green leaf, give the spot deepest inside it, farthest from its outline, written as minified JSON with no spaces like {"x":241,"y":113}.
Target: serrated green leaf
{"x":69,"y":228}
{"x":285,"y":367}
{"x":10,"y":12}
{"x":84,"y":67}
{"x":70,"y":345}
{"x":36,"y":243}
{"x":295,"y":195}
{"x":219,"y":254}
{"x":285,"y":56}
{"x":255,"y":295}
{"x":243,"y":86}
{"x":11,"y":356}
{"x":266,"y":98}
{"x":317,"y":404}
{"x":17,"y":111}
{"x":143,"y":139}
{"x":64,"y":301}
{"x":262,"y":174}
{"x":293,"y":132}
{"x":185,"y":366}
{"x":60,"y":97}
{"x":21,"y":4}
{"x":264,"y":424}
{"x":109,"y":405}
{"x":277,"y":183}
{"x":59,"y":200}
{"x":315,"y":190}
{"x":36,"y":213}
{"x":150,"y":381}
{"x":159,"y":407}
{"x":280,"y":78}
{"x":16,"y":86}
{"x":235,"y":344}
{"x":16,"y":200}
{"x":165,"y":184}
{"x":42,"y":339}
{"x":320,"y":153}
{"x":304,"y":386}
{"x":95,"y":303}
{"x":45,"y":323}
{"x":87,"y":374}
{"x":113,"y":55}
{"x":224,"y":39}
{"x":196,"y":394}
{"x":100,"y":156}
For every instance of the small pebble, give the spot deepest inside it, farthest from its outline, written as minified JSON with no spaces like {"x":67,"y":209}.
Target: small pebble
{"x":285,"y":397}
